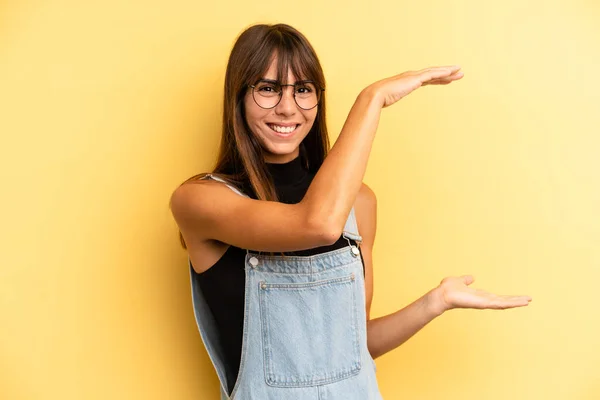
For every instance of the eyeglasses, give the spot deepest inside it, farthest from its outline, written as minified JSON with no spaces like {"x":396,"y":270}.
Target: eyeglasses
{"x":268,"y":93}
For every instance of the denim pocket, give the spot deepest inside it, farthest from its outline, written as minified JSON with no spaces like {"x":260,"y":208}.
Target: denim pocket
{"x":309,"y":331}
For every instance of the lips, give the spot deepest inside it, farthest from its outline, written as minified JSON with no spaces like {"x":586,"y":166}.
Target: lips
{"x":283,"y":129}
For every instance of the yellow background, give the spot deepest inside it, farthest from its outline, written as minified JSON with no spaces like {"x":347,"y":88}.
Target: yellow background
{"x":105,"y":106}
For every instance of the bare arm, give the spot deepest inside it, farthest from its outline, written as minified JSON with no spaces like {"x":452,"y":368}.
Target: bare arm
{"x":210,"y":211}
{"x":333,"y":191}
{"x":390,"y":331}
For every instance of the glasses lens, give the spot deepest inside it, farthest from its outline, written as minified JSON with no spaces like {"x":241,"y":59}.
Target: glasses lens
{"x":266,"y":94}
{"x":307,"y":95}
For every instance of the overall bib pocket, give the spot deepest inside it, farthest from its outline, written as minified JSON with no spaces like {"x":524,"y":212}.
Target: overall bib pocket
{"x":309,"y":331}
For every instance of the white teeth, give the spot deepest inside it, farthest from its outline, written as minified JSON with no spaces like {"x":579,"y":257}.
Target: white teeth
{"x":283,"y":129}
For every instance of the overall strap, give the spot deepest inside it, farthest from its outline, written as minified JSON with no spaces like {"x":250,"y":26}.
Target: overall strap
{"x":229,"y":185}
{"x":351,"y":228}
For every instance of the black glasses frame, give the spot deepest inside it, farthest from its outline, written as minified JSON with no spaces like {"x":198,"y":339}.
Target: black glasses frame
{"x":299,"y":83}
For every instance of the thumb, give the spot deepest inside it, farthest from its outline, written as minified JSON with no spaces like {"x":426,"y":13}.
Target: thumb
{"x":468,"y":279}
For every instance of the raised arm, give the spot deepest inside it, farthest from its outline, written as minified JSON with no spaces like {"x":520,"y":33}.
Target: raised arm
{"x":207,"y":210}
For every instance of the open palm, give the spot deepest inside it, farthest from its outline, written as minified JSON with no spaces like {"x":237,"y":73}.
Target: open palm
{"x":454,"y":292}
{"x":394,"y":88}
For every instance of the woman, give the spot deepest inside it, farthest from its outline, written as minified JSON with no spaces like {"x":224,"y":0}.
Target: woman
{"x":296,"y":325}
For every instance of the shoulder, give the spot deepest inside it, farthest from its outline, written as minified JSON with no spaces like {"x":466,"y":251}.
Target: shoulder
{"x":185,"y":194}
{"x":365,"y":209}
{"x":194,"y":198}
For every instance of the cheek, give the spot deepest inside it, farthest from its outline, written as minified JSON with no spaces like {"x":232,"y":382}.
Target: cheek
{"x":254,"y":114}
{"x":311,"y":117}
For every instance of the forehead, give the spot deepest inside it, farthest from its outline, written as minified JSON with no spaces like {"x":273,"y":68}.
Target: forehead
{"x":284,"y":75}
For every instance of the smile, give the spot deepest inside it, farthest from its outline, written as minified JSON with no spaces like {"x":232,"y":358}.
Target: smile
{"x":283,"y":129}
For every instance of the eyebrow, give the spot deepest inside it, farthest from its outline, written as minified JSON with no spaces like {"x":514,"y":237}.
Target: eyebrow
{"x":276,"y":81}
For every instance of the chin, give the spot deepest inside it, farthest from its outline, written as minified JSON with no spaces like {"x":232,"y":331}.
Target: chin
{"x":281,"y":150}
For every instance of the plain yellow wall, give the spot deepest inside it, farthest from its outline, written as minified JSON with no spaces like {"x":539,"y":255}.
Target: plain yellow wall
{"x":105,"y":106}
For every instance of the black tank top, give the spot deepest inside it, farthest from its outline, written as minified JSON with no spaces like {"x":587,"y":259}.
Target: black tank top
{"x":223,"y":284}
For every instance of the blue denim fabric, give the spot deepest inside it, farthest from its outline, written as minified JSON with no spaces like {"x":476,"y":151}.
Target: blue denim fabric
{"x":305,"y":334}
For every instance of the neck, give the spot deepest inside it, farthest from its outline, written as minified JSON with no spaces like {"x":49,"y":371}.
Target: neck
{"x":287,"y":173}
{"x":281,"y":158}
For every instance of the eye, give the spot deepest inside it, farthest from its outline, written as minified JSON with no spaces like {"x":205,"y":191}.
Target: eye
{"x":265,"y":87}
{"x":304,"y":89}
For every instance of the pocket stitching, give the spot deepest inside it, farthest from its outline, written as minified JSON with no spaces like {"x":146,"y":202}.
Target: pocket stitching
{"x":339,"y":374}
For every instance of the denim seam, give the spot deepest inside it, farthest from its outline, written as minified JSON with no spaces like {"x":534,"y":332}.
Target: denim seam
{"x":355,"y":327}
{"x":244,"y":354}
{"x":308,"y":285}
{"x":265,"y":337}
{"x":209,"y":348}
{"x":336,"y":268}
{"x":304,"y":258}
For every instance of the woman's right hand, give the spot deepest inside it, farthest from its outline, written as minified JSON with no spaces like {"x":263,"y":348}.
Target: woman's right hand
{"x":392,"y":89}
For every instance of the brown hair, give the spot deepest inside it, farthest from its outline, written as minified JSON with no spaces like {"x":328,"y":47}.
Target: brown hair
{"x":240,"y":158}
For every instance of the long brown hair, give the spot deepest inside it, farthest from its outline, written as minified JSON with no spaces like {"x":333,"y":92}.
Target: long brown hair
{"x":241,"y":158}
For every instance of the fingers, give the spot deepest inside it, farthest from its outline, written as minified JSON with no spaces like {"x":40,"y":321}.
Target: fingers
{"x":452,"y":68}
{"x":437,"y":73}
{"x":445,"y":79}
{"x":396,"y":87}
{"x":504,"y":302}
{"x":499,"y":302}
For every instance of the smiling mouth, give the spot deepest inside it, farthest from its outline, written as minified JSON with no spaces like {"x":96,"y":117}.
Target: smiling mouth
{"x":283,"y":129}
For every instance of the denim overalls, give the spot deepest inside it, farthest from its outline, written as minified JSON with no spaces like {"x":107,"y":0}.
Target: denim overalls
{"x":304,"y":334}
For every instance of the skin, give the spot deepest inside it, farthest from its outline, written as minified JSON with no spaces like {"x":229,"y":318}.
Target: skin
{"x":390,"y":331}
{"x":279,"y":150}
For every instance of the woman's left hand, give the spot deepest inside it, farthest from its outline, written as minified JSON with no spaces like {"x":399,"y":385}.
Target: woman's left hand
{"x":454,"y":292}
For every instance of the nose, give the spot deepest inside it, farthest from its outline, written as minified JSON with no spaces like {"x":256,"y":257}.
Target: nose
{"x":287,"y":105}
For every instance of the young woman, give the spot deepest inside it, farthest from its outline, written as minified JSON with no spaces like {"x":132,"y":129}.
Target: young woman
{"x":280,"y":233}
